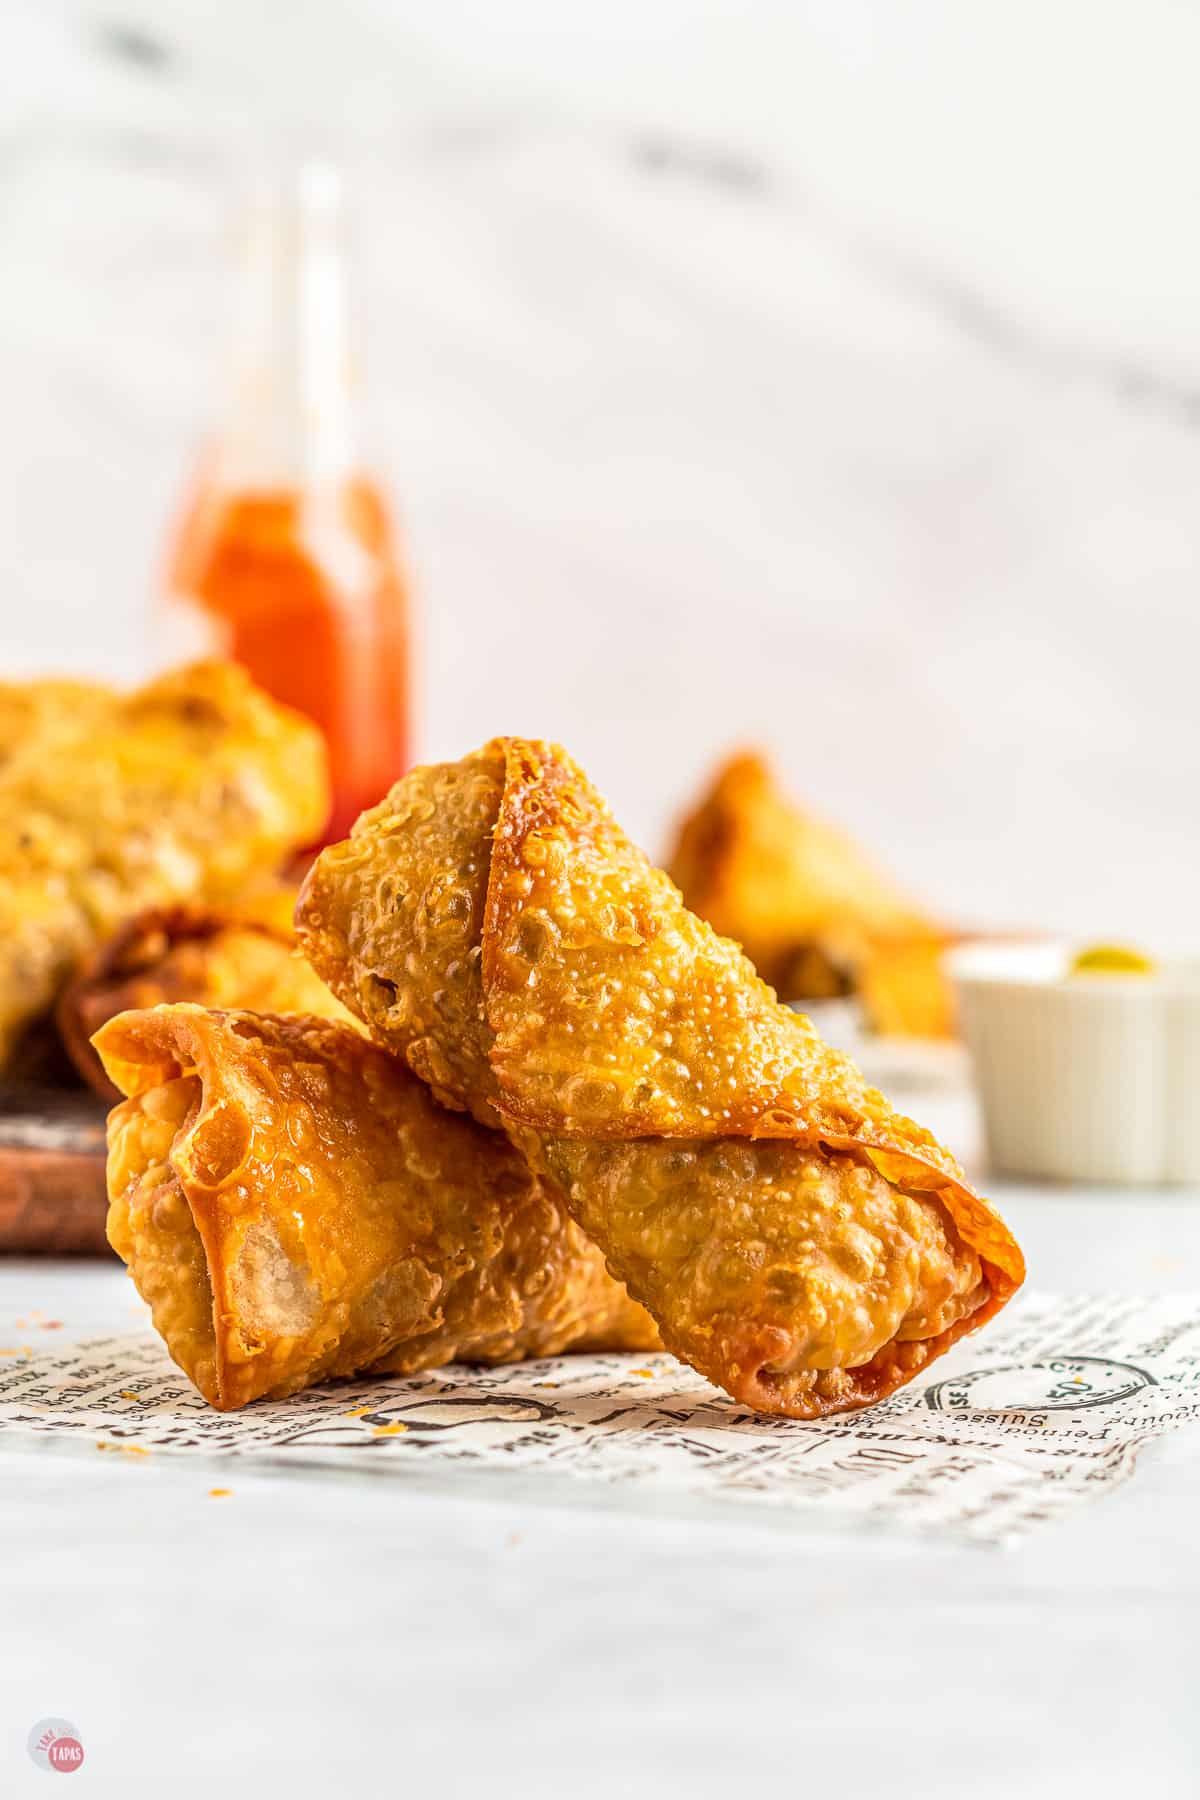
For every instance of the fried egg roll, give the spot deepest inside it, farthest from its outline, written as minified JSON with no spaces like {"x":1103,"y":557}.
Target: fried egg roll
{"x":237,"y":956}
{"x":811,"y":910}
{"x":795,"y":1239}
{"x":294,"y":1205}
{"x":36,"y":714}
{"x":183,"y":791}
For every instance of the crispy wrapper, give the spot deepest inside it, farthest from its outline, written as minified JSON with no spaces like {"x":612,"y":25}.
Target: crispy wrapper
{"x":903,"y":986}
{"x":293,"y":1205}
{"x":37,"y":714}
{"x":796,"y":1240}
{"x":235,"y":957}
{"x":812,"y":912}
{"x":184,"y":791}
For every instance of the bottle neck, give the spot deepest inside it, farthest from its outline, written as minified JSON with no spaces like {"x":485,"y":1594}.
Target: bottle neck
{"x":290,"y":423}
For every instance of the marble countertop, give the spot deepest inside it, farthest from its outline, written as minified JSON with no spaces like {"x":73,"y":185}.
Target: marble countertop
{"x":336,"y":1631}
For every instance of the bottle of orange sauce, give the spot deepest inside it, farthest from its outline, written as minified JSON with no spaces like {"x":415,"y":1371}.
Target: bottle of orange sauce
{"x":285,"y":559}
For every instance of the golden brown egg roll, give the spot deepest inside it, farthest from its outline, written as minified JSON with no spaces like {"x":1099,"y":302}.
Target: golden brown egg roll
{"x":187,"y":790}
{"x":796,"y":1240}
{"x":36,"y":714}
{"x":231,"y":957}
{"x":293,"y":1205}
{"x":903,"y":986}
{"x":812,"y":912}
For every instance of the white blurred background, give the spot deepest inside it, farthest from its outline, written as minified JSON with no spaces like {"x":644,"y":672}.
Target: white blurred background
{"x":823,"y":376}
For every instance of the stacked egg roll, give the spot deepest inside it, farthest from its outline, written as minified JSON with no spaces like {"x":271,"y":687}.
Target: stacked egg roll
{"x":294,"y":1205}
{"x":242,"y":955}
{"x":794,"y":1238}
{"x":37,"y":714}
{"x":184,"y":791}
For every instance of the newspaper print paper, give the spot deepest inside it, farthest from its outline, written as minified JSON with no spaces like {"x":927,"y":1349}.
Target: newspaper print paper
{"x":1047,"y":1408}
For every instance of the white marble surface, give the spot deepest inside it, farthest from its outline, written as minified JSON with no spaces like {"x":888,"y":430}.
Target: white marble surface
{"x":824,"y":374}
{"x":325,"y":1633}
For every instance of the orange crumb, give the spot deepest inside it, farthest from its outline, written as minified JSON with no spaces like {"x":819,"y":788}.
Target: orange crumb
{"x":219,"y":1493}
{"x":357,"y":1413}
{"x":648,"y":1373}
{"x":388,"y":1430}
{"x":128,"y":1394}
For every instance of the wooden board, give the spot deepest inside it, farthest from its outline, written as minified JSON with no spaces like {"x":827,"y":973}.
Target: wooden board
{"x":52,"y":1193}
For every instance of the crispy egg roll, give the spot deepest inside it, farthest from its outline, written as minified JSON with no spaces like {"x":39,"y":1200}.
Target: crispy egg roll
{"x":37,"y":714}
{"x":812,"y":912}
{"x":184,"y":791}
{"x":234,"y":957}
{"x":293,"y":1205}
{"x":795,"y":1239}
{"x":903,"y":986}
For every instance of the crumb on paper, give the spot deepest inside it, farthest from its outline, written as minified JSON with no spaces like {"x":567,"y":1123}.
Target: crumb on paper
{"x":219,"y":1493}
{"x":358,"y":1412}
{"x":124,"y":1449}
{"x":647,"y":1374}
{"x":16,"y":1350}
{"x":128,"y":1394}
{"x":392,"y":1430}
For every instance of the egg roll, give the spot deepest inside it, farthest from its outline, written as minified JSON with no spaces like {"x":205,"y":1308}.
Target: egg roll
{"x":37,"y":714}
{"x":815,"y":916}
{"x":796,"y":1240}
{"x":293,"y":1205}
{"x":185,"y":791}
{"x":239,"y":956}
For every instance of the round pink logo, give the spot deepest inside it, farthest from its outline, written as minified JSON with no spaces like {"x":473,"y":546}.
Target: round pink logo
{"x":55,"y":1745}
{"x":66,"y":1753}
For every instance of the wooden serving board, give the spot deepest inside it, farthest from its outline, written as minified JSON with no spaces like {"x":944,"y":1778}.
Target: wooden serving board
{"x":52,"y":1193}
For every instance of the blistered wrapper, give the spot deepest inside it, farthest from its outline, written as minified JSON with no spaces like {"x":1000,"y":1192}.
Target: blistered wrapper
{"x":796,"y":1240}
{"x":294,"y":1205}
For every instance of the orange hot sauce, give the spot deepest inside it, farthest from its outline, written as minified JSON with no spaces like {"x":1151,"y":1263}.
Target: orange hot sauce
{"x":286,"y":560}
{"x":308,"y":593}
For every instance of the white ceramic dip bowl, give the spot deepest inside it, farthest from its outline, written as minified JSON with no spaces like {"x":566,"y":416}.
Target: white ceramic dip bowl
{"x":1083,"y":1077}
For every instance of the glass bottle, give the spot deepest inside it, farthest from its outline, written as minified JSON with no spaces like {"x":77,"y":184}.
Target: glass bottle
{"x":285,"y":559}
